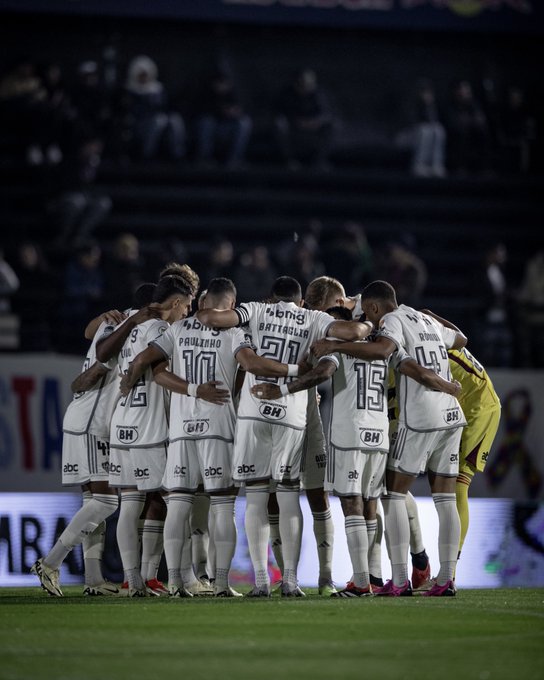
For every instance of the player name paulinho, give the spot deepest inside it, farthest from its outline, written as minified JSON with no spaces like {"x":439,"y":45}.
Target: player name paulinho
{"x":209,"y":343}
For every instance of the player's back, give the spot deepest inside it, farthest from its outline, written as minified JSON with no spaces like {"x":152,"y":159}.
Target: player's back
{"x":425,"y":340}
{"x":201,"y":354}
{"x":477,"y":391}
{"x":285,"y":332}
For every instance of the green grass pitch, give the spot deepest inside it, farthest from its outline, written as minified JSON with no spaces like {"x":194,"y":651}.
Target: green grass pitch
{"x":480,"y":635}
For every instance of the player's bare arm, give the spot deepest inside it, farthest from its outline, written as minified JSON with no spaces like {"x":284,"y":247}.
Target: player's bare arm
{"x":429,"y":378}
{"x":251,"y":362}
{"x":110,"y":346}
{"x":218,"y":318}
{"x":89,"y":378}
{"x":381,"y":348}
{"x":316,"y":376}
{"x":209,"y":391}
{"x":113,"y":316}
{"x":460,"y":339}
{"x":350,"y":330}
{"x":150,"y":356}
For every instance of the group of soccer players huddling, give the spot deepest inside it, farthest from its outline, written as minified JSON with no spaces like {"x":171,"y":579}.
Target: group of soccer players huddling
{"x":173,"y":414}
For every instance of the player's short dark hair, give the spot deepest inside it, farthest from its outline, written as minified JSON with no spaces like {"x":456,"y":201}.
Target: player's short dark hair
{"x":221,"y":286}
{"x":183,"y":270}
{"x":379,"y":290}
{"x":286,"y":288}
{"x":340,"y":313}
{"x":143,"y":295}
{"x":171,"y":285}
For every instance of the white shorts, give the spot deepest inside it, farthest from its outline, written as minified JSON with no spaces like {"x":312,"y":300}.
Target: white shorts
{"x":139,"y":467}
{"x":356,"y":473}
{"x":266,"y":451}
{"x":415,"y":452}
{"x":192,"y":462}
{"x":314,"y":450}
{"x":85,"y":458}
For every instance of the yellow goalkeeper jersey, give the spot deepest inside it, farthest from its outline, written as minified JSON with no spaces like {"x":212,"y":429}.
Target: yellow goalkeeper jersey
{"x":478,"y":392}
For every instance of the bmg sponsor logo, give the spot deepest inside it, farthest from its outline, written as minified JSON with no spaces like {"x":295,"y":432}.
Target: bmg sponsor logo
{"x":127,"y":435}
{"x":272,"y":411}
{"x":197,"y":427}
{"x":371,"y":438}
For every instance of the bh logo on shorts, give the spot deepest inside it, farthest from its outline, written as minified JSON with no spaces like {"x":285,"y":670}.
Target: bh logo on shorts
{"x":452,"y":416}
{"x":272,"y":411}
{"x":371,"y":438}
{"x":196,"y":427}
{"x":127,"y":435}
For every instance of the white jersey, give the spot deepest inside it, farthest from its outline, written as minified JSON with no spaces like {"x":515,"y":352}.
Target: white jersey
{"x":359,"y":406}
{"x":90,"y":412}
{"x":284,"y":332}
{"x":427,"y":341}
{"x":140,"y":419}
{"x":200,"y":354}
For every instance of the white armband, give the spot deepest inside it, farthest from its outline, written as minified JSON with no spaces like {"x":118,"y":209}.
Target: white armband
{"x":284,"y":389}
{"x":292,"y":370}
{"x":191,"y":390}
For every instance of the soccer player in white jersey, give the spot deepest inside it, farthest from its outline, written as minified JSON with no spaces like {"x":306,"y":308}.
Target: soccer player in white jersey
{"x":202,"y":433}
{"x":428,"y":435}
{"x":139,"y":429}
{"x":85,"y":462}
{"x":269,"y":435}
{"x":358,"y":439}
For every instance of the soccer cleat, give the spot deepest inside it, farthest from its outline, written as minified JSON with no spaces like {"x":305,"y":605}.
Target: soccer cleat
{"x":155,"y":588}
{"x":351,"y":590}
{"x":49,"y":578}
{"x":447,"y":590}
{"x":286,"y":591}
{"x":178,"y":592}
{"x":421,"y":578}
{"x":276,"y":586}
{"x":327,"y":589}
{"x":259,"y":591}
{"x":137,"y":592}
{"x":104,"y":588}
{"x":391,"y":590}
{"x":199,"y":589}
{"x":376,"y":581}
{"x":226,"y":592}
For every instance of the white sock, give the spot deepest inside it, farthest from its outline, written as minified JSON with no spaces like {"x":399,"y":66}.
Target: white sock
{"x":371,"y":529}
{"x":93,"y":549}
{"x":397,"y":535}
{"x":275,"y":539}
{"x":357,"y":540}
{"x":449,"y":534}
{"x":290,"y":530}
{"x":187,"y":571}
{"x":222,"y":508}
{"x":152,"y":545}
{"x":210,"y":565}
{"x":324,"y":538}
{"x":175,"y":533}
{"x":258,"y":531}
{"x":199,"y":533}
{"x":83,"y":523}
{"x":416,"y":538}
{"x":375,"y":549}
{"x":132,"y":504}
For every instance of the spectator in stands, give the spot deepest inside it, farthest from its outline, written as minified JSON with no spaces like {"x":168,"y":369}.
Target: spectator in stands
{"x":26,"y":114}
{"x":517,"y":131}
{"x":223,"y":128}
{"x":349,"y":257}
{"x":36,"y":298}
{"x":530,"y":331}
{"x":304,"y":124}
{"x":124,"y":270}
{"x":220,"y":259}
{"x":83,"y":295}
{"x":429,"y":135}
{"x":153,"y":121}
{"x":496,"y":296}
{"x":404,"y":269}
{"x":79,"y":208}
{"x":468,"y":131}
{"x":255,"y":274}
{"x":91,"y":102}
{"x":304,"y":263}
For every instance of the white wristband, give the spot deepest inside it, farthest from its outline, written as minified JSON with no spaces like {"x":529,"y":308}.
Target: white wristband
{"x":191,"y":390}
{"x":292,"y":370}
{"x":284,"y":389}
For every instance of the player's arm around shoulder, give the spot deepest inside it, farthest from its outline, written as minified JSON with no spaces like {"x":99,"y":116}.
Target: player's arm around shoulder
{"x":321,"y":372}
{"x":380,"y":349}
{"x":428,"y":378}
{"x":150,"y":356}
{"x":350,"y":330}
{"x":218,"y":318}
{"x":89,"y":378}
{"x":459,"y":340}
